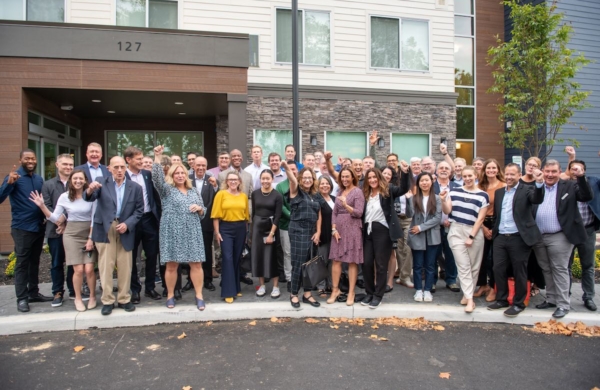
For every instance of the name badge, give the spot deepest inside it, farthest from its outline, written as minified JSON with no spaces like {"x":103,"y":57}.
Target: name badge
{"x":564,"y":196}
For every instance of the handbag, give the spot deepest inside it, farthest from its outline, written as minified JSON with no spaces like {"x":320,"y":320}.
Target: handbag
{"x":314,"y":271}
{"x":246,"y":262}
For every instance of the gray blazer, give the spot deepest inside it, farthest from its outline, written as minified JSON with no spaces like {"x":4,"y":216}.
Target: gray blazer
{"x":430,"y":226}
{"x":132,"y":210}
{"x":52,"y":190}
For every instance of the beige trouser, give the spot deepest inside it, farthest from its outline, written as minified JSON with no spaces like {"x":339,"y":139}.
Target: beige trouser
{"x":109,"y":254}
{"x":468,"y":259}
{"x":403,"y":252}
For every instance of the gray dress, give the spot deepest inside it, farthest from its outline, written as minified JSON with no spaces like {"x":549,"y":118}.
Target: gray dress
{"x":180,"y":230}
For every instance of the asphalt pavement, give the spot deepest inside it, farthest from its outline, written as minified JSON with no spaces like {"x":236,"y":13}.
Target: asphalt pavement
{"x":299,"y":355}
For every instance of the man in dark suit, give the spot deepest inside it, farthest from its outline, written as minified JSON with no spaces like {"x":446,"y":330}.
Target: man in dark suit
{"x":52,"y":190}
{"x":119,"y":208}
{"x":207,"y":186}
{"x":92,"y":167}
{"x":514,"y":234}
{"x":562,"y":228}
{"x":146,"y":231}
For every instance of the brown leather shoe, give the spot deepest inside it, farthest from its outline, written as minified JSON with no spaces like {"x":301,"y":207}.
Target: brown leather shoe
{"x":483,"y":290}
{"x":491,"y":296}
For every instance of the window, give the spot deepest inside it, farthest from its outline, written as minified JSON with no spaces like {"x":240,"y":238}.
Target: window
{"x":399,"y":44}
{"x":147,"y":13}
{"x":273,"y":141}
{"x":464,"y":77}
{"x":34,"y":10}
{"x":465,"y":122}
{"x":254,"y":53}
{"x":314,"y":37}
{"x":174,"y":142}
{"x":346,"y":144}
{"x":408,"y":145}
{"x":55,"y":126}
{"x":34,"y":118}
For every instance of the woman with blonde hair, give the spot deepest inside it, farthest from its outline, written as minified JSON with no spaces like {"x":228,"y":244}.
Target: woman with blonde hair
{"x":230,"y":214}
{"x":466,"y":207}
{"x":492,"y":178}
{"x":77,"y":237}
{"x":180,"y":229}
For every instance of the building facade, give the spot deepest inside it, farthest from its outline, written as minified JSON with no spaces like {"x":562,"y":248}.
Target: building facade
{"x":212,"y":76}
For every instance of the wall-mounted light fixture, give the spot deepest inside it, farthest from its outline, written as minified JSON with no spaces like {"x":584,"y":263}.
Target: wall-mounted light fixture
{"x":313,"y":139}
{"x":458,"y":145}
{"x":381,"y":142}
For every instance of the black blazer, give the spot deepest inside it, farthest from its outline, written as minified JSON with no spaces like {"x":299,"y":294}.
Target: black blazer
{"x":52,"y":190}
{"x":208,"y":195}
{"x":568,"y":193}
{"x":387,"y":205}
{"x":154,"y":206}
{"x":526,"y":196}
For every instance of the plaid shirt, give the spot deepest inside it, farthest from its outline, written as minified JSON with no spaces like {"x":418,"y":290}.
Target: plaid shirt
{"x":586,"y":213}
{"x":547,"y":216}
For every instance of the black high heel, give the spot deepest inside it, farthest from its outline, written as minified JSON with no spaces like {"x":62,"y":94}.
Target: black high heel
{"x":313,"y":303}
{"x":295,"y":305}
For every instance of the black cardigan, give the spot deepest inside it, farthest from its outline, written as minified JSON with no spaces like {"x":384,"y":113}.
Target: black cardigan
{"x":387,"y":205}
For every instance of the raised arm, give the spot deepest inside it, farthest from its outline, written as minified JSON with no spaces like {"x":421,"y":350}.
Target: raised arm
{"x":292,"y":178}
{"x":330,"y":168}
{"x":158,"y":174}
{"x":447,"y":157}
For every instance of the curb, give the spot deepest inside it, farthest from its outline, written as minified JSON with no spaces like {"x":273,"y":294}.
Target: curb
{"x":146,"y":316}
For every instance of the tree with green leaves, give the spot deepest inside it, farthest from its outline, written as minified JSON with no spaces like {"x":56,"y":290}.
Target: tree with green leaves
{"x":534,"y":73}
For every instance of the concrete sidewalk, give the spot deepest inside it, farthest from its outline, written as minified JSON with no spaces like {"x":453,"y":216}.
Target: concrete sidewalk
{"x":399,"y":303}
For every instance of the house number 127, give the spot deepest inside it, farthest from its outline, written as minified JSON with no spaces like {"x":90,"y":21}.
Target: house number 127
{"x":129,"y":46}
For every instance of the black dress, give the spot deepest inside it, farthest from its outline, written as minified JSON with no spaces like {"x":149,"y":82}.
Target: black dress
{"x":266,"y":213}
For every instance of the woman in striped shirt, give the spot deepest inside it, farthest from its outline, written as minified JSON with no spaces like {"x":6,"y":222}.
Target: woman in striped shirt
{"x":466,"y":207}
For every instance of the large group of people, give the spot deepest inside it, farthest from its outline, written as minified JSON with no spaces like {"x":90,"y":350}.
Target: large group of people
{"x":409,"y":223}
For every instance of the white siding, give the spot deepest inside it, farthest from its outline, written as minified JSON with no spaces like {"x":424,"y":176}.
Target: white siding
{"x":350,"y":24}
{"x":350,"y":35}
{"x":91,"y":11}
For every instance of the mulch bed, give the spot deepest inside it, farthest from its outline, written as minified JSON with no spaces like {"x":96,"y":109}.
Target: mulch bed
{"x":44,"y":276}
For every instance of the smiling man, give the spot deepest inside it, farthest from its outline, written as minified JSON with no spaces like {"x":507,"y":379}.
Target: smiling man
{"x":92,"y":167}
{"x":27,"y":228}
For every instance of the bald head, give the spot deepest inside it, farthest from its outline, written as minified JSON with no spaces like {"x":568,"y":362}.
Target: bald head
{"x":117,"y":168}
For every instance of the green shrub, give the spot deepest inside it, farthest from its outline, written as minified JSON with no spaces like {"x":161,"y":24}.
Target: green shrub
{"x":10,"y":268}
{"x":46,"y":249}
{"x":576,"y":267}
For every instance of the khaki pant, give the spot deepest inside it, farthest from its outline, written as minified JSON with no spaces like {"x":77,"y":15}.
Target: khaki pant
{"x":468,"y":259}
{"x":403,"y":252}
{"x":109,"y":254}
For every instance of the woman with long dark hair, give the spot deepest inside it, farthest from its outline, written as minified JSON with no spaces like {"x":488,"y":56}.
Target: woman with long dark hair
{"x":381,"y":229}
{"x":492,"y":178}
{"x":391,"y":176}
{"x":424,"y":236}
{"x":304,"y":229}
{"x":346,"y":243}
{"x":266,"y":212}
{"x":77,"y":238}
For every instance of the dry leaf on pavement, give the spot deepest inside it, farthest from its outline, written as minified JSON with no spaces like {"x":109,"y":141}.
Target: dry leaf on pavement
{"x":383,"y":339}
{"x":209,"y":323}
{"x":445,"y":375}
{"x":375,"y":326}
{"x":253,"y":323}
{"x":274,"y":319}
{"x":373,"y":336}
{"x":334,"y":326}
{"x":311,"y":321}
{"x":438,"y":327}
{"x":182,"y":336}
{"x":186,"y":388}
{"x":79,"y":348}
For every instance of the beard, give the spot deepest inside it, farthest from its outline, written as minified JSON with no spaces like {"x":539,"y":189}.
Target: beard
{"x":25,"y":167}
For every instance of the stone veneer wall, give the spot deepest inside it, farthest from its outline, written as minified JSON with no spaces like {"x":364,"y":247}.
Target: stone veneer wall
{"x":222,"y":128}
{"x":317,"y":116}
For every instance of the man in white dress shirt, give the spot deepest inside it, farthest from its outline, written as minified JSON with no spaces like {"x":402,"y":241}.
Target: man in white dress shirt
{"x":257,"y":166}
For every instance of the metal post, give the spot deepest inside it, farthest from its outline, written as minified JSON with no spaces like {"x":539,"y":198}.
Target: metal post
{"x":295,"y":118}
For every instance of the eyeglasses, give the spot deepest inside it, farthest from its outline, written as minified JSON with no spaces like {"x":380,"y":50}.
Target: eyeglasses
{"x":532,"y":165}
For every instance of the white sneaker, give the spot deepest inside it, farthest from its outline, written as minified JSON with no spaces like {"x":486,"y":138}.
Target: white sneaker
{"x":427,"y":297}
{"x":419,"y":296}
{"x":261,"y":291}
{"x":275,"y":293}
{"x":405,"y":282}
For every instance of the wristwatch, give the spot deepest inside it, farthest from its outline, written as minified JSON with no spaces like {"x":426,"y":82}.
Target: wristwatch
{"x":471,"y":237}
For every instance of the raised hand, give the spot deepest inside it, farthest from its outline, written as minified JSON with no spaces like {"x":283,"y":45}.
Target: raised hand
{"x":340,"y":160}
{"x":404,"y":166}
{"x":13,"y":176}
{"x":373,"y":138}
{"x":328,"y":156}
{"x":443,"y":148}
{"x":212,"y":181}
{"x":570,"y":151}
{"x":577,"y":171}
{"x":36,"y":198}
{"x":538,"y":175}
{"x":284,"y":165}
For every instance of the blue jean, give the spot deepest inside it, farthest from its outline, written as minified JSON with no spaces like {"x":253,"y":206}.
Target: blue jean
{"x":424,"y":260}
{"x":444,"y":249}
{"x":57,"y":272}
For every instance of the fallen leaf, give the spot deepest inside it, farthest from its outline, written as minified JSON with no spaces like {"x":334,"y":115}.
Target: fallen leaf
{"x":274,"y":319}
{"x":445,"y":375}
{"x":383,"y":339}
{"x":438,"y":327}
{"x":182,"y":336}
{"x":78,"y":348}
{"x":334,"y":326}
{"x":375,"y":326}
{"x":311,"y":321}
{"x":209,"y":323}
{"x":373,"y":336}
{"x":186,"y":388}
{"x":253,"y":323}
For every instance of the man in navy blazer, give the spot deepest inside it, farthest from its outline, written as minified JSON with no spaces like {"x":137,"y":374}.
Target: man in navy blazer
{"x":119,"y":208}
{"x":207,"y":186}
{"x":146,"y":231}
{"x":92,"y":167}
